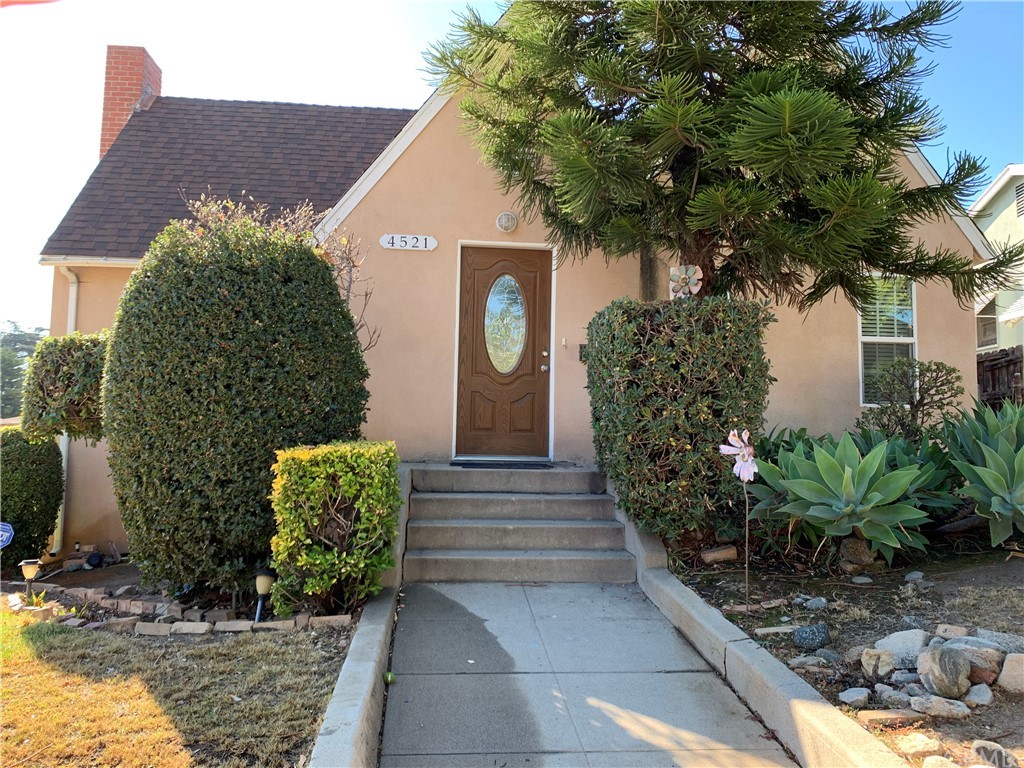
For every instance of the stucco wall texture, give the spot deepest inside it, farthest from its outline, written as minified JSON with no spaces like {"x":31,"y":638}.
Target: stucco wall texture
{"x":440,"y":187}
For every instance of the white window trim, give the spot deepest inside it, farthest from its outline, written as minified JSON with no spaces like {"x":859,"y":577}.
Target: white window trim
{"x":861,"y":339}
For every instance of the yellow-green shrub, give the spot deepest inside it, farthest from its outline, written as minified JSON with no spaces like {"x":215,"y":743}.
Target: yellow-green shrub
{"x":336,"y":508}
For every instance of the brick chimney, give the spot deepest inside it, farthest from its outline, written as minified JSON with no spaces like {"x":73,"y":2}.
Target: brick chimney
{"x":133,"y":83}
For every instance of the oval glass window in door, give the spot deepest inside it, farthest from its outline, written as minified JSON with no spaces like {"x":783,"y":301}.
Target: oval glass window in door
{"x":505,"y":324}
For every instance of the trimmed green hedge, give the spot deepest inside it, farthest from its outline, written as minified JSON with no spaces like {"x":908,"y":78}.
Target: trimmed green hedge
{"x":668,"y":380}
{"x":62,"y":387}
{"x":231,"y":340}
{"x":30,"y":494}
{"x":336,"y":508}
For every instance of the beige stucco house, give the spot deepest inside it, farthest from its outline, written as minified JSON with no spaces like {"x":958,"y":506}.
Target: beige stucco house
{"x":999,"y":213}
{"x":444,"y":247}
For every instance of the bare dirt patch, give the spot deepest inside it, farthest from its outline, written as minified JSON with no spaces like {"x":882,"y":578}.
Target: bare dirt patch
{"x":970,"y":590}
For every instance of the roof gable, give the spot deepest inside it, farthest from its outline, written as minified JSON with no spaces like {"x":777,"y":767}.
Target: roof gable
{"x":278,"y":154}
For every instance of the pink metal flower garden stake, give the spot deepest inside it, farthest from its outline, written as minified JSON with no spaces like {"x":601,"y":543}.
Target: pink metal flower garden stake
{"x":742,"y":451}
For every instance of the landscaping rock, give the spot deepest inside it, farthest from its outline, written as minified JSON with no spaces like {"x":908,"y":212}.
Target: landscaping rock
{"x":855,"y":697}
{"x":852,"y":656}
{"x":175,"y":609}
{"x":831,"y":657}
{"x":129,"y":589}
{"x":153,"y":628}
{"x":124,"y":605}
{"x":985,"y":660}
{"x":1012,"y":677}
{"x":233,"y":626}
{"x":1007,"y":641}
{"x":944,"y":671}
{"x":877,"y":664}
{"x":935,"y":642}
{"x":895,"y":699}
{"x":191,"y":628}
{"x":856,"y":551}
{"x":917,"y":745}
{"x":165,"y":619}
{"x":994,"y":754}
{"x":916,"y":689}
{"x":914,"y":576}
{"x":903,"y":676}
{"x":769,"y":604}
{"x":905,"y":646}
{"x":862,"y":580}
{"x":811,"y":637}
{"x":763,"y":631}
{"x":980,"y":695}
{"x":937,"y":706}
{"x":110,"y":603}
{"x":912,"y":622}
{"x":949,"y":631}
{"x":126,"y":624}
{"x":816,"y":604}
{"x":302,"y":620}
{"x":74,"y":622}
{"x":219,"y":614}
{"x":805,"y":662}
{"x":976,"y":642}
{"x":723,"y":554}
{"x":883,"y":717}
{"x":39,"y":613}
{"x":330,"y":621}
{"x":881,"y":688}
{"x":94,"y":624}
{"x":938,"y":761}
{"x":193,"y":614}
{"x":278,"y":625}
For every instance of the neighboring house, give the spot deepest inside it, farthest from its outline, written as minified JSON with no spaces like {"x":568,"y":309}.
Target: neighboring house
{"x":999,"y":213}
{"x":444,"y":246}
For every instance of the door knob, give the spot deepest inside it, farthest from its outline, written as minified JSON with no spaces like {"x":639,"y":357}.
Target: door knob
{"x":543,"y":369}
{"x":544,"y":353}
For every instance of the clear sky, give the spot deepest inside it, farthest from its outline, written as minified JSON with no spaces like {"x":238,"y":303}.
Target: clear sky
{"x":344,"y":52}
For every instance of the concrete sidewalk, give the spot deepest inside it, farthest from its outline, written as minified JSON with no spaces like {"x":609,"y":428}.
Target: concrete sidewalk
{"x":514,"y":676}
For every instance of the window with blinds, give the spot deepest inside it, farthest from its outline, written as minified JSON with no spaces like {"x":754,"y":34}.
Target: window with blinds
{"x":887,"y":333}
{"x":987,"y":328}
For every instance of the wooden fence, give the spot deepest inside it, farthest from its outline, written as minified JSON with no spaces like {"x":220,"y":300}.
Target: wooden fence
{"x":999,"y":376}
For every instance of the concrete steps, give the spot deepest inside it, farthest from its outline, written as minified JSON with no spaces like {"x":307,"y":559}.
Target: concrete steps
{"x":525,"y":525}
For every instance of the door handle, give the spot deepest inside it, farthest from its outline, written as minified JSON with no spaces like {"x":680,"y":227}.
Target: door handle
{"x":543,"y":369}
{"x":544,"y":353}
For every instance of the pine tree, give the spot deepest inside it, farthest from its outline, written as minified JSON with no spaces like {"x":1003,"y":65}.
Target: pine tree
{"x":756,"y":140}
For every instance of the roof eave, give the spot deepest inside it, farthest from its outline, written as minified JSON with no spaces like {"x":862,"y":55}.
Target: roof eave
{"x":993,"y":189}
{"x":48,"y":260}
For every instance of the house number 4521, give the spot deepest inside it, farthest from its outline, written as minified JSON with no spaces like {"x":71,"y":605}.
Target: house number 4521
{"x":408,"y":242}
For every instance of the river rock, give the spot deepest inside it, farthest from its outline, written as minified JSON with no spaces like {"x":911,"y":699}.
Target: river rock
{"x":895,"y":699}
{"x":811,"y":637}
{"x":1009,"y":642}
{"x":986,"y":661}
{"x":903,"y":676}
{"x":949,"y":631}
{"x":911,"y":622}
{"x":816,"y":604}
{"x":809,"y":660}
{"x":877,"y":664}
{"x":852,"y":656}
{"x":918,"y":745}
{"x":855,"y":697}
{"x":994,"y":754}
{"x":915,"y":689}
{"x":828,"y":655}
{"x":944,"y":671}
{"x":856,"y":551}
{"x":975,"y":642}
{"x":980,"y":695}
{"x":914,"y":576}
{"x":1012,"y":677}
{"x":937,"y":706}
{"x":905,"y":647}
{"x":862,"y":580}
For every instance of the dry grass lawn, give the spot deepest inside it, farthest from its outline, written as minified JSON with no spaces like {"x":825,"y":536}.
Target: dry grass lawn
{"x":85,"y":698}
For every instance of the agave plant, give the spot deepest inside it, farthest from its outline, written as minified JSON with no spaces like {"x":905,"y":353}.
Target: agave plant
{"x":838,"y":492}
{"x":965,"y":434}
{"x":934,"y":488}
{"x":997,"y":484}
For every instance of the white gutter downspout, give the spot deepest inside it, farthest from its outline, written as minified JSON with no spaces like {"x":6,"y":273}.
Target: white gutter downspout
{"x":65,"y":441}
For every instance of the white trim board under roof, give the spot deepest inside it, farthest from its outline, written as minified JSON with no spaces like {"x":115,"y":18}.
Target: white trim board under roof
{"x":90,"y":261}
{"x":1009,"y":172}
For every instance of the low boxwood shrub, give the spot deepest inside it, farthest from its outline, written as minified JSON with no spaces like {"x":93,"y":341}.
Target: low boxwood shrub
{"x":231,"y":340}
{"x":62,"y":387}
{"x":30,"y":494}
{"x":668,"y":380}
{"x":336,"y":508}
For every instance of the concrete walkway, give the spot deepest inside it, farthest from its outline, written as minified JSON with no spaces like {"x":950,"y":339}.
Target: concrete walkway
{"x":519,"y":676}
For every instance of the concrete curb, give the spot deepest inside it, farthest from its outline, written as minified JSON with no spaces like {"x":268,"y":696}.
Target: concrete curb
{"x":351,"y":727}
{"x":818,"y":734}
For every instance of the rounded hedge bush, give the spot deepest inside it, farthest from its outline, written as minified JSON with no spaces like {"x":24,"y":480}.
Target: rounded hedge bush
{"x":30,"y":495}
{"x":231,"y":341}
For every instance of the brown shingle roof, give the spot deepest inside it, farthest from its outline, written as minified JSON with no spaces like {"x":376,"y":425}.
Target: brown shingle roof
{"x":279,"y":154}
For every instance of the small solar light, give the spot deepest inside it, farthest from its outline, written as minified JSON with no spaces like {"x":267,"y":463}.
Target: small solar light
{"x":30,"y":569}
{"x":265,"y":579}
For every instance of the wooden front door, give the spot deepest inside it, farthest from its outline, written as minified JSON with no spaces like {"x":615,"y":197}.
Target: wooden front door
{"x":504,"y":360}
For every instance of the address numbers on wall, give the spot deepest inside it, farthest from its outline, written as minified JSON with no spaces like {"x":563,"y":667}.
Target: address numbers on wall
{"x":408,"y":242}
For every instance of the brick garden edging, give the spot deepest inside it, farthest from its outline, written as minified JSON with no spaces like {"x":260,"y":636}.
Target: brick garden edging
{"x":818,"y":734}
